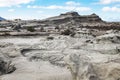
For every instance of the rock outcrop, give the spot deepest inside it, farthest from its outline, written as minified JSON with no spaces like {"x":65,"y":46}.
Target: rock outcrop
{"x":6,"y":65}
{"x":61,"y":58}
{"x":65,"y":20}
{"x":89,"y":54}
{"x":72,"y":16}
{"x":68,"y":19}
{"x":82,"y":69}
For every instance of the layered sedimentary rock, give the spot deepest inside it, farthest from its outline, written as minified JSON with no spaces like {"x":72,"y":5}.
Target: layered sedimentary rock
{"x":68,"y":19}
{"x":73,"y":16}
{"x":65,"y":20}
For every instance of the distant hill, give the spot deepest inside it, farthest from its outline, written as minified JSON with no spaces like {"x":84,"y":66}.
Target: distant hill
{"x":92,"y":21}
{"x":72,"y":19}
{"x":2,"y":19}
{"x":66,"y":17}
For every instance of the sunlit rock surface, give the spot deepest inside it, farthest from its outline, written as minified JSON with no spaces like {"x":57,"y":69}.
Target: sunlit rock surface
{"x":62,"y":58}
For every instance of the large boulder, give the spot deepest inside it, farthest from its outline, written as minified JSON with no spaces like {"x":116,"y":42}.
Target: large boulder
{"x":6,"y":65}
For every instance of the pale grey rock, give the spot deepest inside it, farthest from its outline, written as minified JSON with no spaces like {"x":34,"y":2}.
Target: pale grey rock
{"x":6,"y":65}
{"x":82,"y":69}
{"x":42,"y":59}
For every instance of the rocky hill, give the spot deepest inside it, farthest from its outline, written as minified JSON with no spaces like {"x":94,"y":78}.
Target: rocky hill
{"x":84,"y":21}
{"x":72,"y":17}
{"x":62,"y":22}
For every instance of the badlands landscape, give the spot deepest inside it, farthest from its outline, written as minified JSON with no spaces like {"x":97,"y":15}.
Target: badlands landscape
{"x":65,"y":47}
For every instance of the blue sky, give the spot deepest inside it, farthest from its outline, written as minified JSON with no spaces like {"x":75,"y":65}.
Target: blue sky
{"x":108,"y":10}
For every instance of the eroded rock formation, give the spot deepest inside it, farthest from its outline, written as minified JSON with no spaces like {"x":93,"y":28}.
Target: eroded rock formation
{"x":93,"y":53}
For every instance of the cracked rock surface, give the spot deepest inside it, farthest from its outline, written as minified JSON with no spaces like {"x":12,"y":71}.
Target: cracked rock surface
{"x":63,"y":58}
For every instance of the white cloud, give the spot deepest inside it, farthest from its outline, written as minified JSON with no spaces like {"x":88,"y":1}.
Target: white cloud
{"x":11,"y":10}
{"x":39,"y":11}
{"x":72,"y":3}
{"x":53,"y":7}
{"x":108,"y":1}
{"x":79,"y":8}
{"x":18,"y":6}
{"x":112,"y":9}
{"x":9,"y":3}
{"x":68,"y":6}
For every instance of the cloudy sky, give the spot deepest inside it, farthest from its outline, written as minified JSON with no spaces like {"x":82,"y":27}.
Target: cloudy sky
{"x":108,"y":10}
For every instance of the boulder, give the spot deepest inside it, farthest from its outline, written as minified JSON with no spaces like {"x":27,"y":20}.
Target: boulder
{"x":6,"y":65}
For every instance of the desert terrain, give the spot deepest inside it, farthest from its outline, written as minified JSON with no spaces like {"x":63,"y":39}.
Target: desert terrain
{"x":64,"y":47}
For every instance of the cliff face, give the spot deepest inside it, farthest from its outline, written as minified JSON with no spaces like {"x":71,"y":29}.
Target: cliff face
{"x":73,"y":16}
{"x":71,"y":19}
{"x":90,"y":18}
{"x":92,"y":21}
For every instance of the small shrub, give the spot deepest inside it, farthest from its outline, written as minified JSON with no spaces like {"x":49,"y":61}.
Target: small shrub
{"x":50,"y":38}
{"x":42,"y":29}
{"x":66,"y":32}
{"x":72,"y":34}
{"x":7,"y":34}
{"x":31,"y":29}
{"x":57,"y":27}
